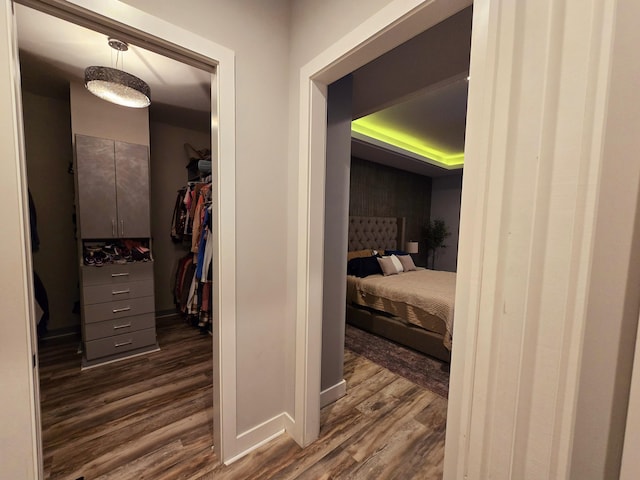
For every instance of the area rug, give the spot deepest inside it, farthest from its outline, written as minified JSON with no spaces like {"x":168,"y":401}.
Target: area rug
{"x":428,"y":372}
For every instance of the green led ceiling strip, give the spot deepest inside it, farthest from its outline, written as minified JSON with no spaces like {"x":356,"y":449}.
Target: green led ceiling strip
{"x":398,"y":139}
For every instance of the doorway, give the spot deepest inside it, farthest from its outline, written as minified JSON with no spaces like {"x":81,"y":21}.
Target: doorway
{"x":102,"y":404}
{"x":318,"y":73}
{"x":387,"y":183}
{"x":200,"y":50}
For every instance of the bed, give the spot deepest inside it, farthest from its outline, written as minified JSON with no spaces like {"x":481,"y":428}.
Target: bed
{"x":414,"y":308}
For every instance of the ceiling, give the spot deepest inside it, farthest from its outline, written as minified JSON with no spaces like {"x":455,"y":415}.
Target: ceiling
{"x":415,"y":97}
{"x":63,"y":50}
{"x":435,"y":117}
{"x":424,"y":134}
{"x":418,"y":88}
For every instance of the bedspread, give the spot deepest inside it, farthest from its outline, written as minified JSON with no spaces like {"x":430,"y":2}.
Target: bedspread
{"x":416,"y":296}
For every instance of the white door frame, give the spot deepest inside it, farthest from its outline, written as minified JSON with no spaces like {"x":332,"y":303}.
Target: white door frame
{"x":396,"y":23}
{"x":20,"y":443}
{"x":226,"y":443}
{"x":630,"y":468}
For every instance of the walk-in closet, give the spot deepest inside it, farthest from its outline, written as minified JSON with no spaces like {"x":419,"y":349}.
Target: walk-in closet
{"x":121,"y":205}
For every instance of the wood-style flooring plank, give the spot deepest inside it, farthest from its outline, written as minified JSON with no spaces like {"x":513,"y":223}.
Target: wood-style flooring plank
{"x":150,"y":417}
{"x":152,"y":412}
{"x":348,"y":446}
{"x":341,"y":431}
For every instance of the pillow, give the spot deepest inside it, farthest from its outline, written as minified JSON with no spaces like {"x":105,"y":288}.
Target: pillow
{"x":363,"y":266}
{"x":358,"y":253}
{"x":396,"y":263}
{"x":387,"y":266}
{"x":407,"y":263}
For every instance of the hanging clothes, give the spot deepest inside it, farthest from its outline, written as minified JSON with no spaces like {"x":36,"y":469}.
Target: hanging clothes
{"x":191,"y":224}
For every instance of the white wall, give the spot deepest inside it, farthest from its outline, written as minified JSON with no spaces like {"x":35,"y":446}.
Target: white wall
{"x":47,"y":123}
{"x":168,"y":174}
{"x":258,"y":33}
{"x":445,"y":205}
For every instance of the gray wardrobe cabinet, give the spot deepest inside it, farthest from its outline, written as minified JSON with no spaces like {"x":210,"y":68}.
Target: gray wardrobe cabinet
{"x":113,"y":188}
{"x":117,"y":300}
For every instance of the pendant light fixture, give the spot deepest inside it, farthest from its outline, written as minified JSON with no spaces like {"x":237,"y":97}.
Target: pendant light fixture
{"x":117,"y":86}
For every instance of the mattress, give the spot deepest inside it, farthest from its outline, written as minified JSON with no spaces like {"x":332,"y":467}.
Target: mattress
{"x":423,"y":298}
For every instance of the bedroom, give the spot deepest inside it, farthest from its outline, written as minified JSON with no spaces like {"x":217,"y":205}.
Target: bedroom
{"x":421,"y":91}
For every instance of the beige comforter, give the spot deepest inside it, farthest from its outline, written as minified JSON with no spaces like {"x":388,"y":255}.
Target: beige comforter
{"x":420,"y":297}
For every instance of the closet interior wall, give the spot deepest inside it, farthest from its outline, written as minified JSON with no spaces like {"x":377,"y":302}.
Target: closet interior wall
{"x":48,"y":138}
{"x":47,"y":128}
{"x":167,"y":147}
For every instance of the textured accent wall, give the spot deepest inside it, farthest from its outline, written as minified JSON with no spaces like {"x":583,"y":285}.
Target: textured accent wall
{"x":378,"y":190}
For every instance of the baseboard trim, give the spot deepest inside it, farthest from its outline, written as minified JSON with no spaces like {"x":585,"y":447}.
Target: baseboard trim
{"x":167,"y":313}
{"x":258,"y":436}
{"x":87,"y":364}
{"x":332,"y":394}
{"x":62,"y":332}
{"x":289,"y":424}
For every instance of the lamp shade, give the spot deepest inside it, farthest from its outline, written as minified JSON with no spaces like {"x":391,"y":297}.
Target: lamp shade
{"x":411,"y":247}
{"x":117,"y":87}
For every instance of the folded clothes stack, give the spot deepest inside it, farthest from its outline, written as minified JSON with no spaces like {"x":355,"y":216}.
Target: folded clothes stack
{"x":120,"y":252}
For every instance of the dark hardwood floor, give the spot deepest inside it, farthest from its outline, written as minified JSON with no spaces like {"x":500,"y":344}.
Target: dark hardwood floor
{"x":150,"y":417}
{"x":137,"y":418}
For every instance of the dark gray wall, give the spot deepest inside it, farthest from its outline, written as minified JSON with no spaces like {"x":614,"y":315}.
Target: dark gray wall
{"x":400,"y":73}
{"x":335,"y":234}
{"x":378,"y":190}
{"x":47,"y":133}
{"x":445,"y":204}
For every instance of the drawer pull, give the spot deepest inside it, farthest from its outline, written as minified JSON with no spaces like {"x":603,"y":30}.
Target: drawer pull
{"x":117,"y":327}
{"x":118,"y":310}
{"x":125,"y":274}
{"x":123,"y":344}
{"x":120,"y":292}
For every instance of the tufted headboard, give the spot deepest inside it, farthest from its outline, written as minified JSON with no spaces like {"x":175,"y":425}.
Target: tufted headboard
{"x":376,"y":232}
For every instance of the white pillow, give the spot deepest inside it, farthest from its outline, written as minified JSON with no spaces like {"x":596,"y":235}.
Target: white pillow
{"x":397,"y":263}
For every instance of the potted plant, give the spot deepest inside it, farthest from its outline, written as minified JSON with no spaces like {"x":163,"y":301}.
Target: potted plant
{"x":436,"y":232}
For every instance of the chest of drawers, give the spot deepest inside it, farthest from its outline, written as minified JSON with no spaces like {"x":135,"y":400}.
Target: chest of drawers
{"x":118,"y":318}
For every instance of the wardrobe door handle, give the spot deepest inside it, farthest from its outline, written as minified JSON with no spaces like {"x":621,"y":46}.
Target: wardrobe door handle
{"x":122,"y":228}
{"x":119,"y":310}
{"x":113,"y":227}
